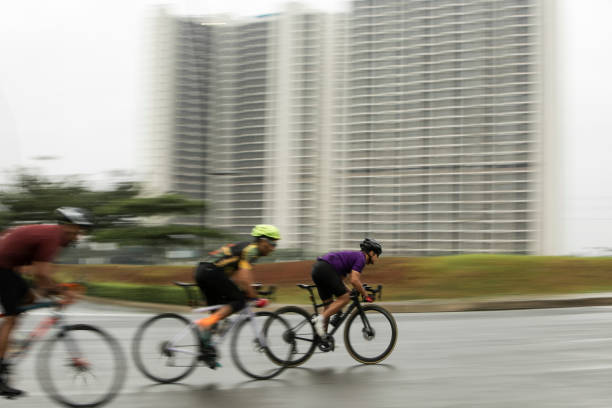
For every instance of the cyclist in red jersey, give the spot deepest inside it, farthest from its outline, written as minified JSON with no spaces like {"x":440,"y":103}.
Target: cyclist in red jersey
{"x":35,"y":246}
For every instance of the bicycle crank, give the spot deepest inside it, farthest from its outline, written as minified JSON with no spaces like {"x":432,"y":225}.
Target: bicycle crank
{"x":327,"y":344}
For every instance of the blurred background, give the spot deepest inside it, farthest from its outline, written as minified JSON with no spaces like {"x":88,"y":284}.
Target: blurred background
{"x":438,"y":127}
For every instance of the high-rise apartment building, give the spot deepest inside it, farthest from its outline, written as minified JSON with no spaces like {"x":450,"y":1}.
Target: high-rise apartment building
{"x":273,"y":87}
{"x":178,"y":106}
{"x":442,"y":151}
{"x":425,"y":124}
{"x":249,"y":125}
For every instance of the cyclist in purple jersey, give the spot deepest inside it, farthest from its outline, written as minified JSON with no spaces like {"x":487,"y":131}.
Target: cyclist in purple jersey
{"x":328,"y":273}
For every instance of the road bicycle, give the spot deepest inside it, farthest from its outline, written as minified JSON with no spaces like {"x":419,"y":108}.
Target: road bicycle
{"x":168,"y":347}
{"x":370,"y":332}
{"x":79,"y":366}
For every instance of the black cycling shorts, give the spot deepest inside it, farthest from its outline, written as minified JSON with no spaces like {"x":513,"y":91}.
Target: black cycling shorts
{"x":218,"y":288}
{"x":327,"y":280}
{"x":13,"y":290}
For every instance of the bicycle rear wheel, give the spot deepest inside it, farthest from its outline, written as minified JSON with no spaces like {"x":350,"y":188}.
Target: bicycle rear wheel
{"x":300,"y":335}
{"x":370,"y":336}
{"x":254,"y":343}
{"x":166,"y":348}
{"x":82,"y":366}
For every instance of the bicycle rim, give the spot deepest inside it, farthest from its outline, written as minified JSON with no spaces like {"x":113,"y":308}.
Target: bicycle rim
{"x":253,"y":358}
{"x":82,"y":366}
{"x":372,"y":342}
{"x":300,"y":335}
{"x":165,"y":348}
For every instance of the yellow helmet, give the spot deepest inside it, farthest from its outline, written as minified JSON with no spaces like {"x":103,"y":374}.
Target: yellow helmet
{"x":265,"y":230}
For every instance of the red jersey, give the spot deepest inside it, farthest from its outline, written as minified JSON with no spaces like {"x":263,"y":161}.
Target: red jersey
{"x":21,"y":246}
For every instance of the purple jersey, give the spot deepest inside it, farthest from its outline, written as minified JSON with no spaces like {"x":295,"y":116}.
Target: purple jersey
{"x":345,"y":261}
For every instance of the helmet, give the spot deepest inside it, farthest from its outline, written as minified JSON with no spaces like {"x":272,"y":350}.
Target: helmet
{"x":73,"y":215}
{"x":267,"y":231}
{"x":368,"y":245}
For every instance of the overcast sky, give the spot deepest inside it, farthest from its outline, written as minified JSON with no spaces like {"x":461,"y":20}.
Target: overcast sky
{"x":71,"y":88}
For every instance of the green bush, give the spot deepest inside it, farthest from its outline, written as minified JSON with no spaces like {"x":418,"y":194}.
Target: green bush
{"x":139,"y":293}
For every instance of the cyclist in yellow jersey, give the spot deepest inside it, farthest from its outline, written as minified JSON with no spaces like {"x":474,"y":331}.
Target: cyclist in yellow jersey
{"x":225,"y":277}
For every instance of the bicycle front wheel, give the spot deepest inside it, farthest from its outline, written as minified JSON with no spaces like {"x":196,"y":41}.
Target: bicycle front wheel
{"x":370,"y":334}
{"x":82,"y":366}
{"x":166,"y":348}
{"x":254,"y":343}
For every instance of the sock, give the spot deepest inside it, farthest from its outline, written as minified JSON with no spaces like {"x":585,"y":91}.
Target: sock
{"x":207,"y":322}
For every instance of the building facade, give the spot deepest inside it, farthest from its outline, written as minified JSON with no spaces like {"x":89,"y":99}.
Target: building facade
{"x":442,"y":152}
{"x":419,"y":123}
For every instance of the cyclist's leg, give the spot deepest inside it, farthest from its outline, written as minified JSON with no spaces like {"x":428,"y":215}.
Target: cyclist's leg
{"x":13,"y":289}
{"x":218,"y":289}
{"x":328,"y":284}
{"x":13,"y":292}
{"x":336,"y":305}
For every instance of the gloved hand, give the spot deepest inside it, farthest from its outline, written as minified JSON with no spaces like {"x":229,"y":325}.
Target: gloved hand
{"x":261,"y":302}
{"x":368,"y":299}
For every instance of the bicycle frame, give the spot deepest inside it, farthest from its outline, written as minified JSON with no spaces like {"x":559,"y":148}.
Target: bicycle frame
{"x":355,"y":304}
{"x":242,"y":315}
{"x":345,"y":315}
{"x":38,"y":332}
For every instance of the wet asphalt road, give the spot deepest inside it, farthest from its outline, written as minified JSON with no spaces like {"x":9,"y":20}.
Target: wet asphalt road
{"x":525,"y":358}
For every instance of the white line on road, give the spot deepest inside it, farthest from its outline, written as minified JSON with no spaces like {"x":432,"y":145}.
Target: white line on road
{"x":78,"y":314}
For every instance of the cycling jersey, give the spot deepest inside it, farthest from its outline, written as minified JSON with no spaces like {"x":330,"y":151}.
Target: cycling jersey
{"x":345,"y":261}
{"x":23,"y":245}
{"x":232,"y":257}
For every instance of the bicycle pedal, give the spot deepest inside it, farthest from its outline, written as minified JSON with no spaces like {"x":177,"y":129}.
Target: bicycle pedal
{"x":327,"y":344}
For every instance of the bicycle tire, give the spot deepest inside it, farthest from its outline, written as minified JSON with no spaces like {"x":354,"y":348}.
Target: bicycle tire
{"x":350,"y":341}
{"x":159,"y":330}
{"x":302,"y":333}
{"x":61,"y":388}
{"x":244,"y":338}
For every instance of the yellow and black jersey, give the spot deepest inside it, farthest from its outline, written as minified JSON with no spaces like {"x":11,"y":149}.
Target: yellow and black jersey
{"x":232,"y":257}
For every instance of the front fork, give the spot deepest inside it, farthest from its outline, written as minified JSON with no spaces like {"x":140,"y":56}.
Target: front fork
{"x":74,"y":352}
{"x":367,"y":331}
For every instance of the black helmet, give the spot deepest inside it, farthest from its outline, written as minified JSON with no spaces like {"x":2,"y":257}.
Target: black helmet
{"x":368,"y":245}
{"x":73,"y":215}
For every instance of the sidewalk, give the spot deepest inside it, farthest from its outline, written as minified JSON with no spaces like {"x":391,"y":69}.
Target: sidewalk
{"x":427,"y":305}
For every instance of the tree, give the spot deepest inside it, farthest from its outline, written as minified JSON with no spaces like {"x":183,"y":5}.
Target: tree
{"x":120,"y":215}
{"x":122,"y":221}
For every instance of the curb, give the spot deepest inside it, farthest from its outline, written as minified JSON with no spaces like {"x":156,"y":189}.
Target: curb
{"x":419,"y":306}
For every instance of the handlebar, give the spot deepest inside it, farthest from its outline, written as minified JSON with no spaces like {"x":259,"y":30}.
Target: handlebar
{"x":375,"y":292}
{"x":264,"y":292}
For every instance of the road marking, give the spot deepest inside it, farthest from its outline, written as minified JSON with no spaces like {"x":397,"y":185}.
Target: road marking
{"x":80,"y":314}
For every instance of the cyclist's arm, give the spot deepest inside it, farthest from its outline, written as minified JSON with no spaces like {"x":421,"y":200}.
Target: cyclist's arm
{"x":244,"y":278}
{"x":355,"y":280}
{"x":41,"y":272}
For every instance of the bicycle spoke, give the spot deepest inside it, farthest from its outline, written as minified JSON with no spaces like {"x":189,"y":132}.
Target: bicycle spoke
{"x":166,"y":348}
{"x":254,"y":348}
{"x":81,"y":367}
{"x":301,"y":335}
{"x":370,"y":337}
